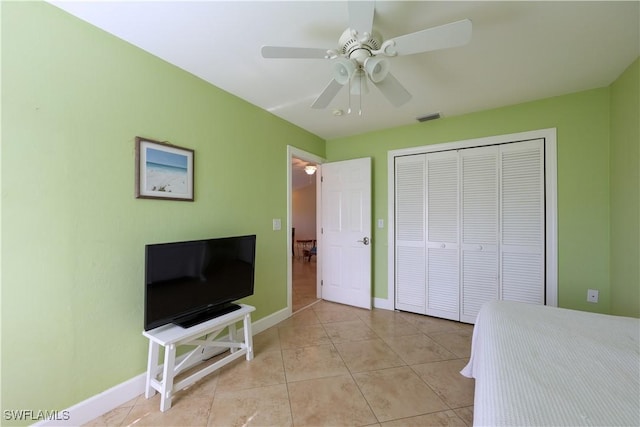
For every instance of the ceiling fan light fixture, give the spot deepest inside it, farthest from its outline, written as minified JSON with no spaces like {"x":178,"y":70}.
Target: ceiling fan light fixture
{"x":343,"y":70}
{"x":310,"y":169}
{"x":376,"y":68}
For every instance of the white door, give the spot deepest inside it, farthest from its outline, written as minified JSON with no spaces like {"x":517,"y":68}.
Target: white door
{"x":346,"y":232}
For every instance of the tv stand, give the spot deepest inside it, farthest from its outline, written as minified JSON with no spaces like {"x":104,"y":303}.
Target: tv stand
{"x":171,"y":336}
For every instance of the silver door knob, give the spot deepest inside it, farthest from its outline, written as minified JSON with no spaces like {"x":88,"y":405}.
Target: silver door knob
{"x":364,"y":240}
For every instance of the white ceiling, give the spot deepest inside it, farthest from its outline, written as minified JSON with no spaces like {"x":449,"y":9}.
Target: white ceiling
{"x":520,"y":51}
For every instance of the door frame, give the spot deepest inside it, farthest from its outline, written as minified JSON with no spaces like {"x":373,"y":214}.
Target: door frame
{"x":309,"y":157}
{"x":551,"y":200}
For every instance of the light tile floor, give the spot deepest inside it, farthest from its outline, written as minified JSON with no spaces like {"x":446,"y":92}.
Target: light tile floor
{"x":303,"y":278}
{"x":330,"y":365}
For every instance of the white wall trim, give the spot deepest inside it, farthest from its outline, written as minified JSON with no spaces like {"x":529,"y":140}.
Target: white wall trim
{"x":269,"y":321}
{"x":384,"y":304}
{"x":99,"y":404}
{"x":119,"y":394}
{"x":551,"y":189}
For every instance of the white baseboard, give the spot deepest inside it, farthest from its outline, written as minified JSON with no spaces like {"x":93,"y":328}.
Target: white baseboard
{"x":99,"y":404}
{"x":385,"y":304}
{"x":269,"y":321}
{"x":119,"y":394}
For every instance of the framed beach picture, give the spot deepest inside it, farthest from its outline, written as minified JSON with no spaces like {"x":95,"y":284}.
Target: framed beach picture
{"x":163,"y":171}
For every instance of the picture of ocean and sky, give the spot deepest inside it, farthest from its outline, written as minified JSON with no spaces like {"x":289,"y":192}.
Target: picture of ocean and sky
{"x":166,"y":172}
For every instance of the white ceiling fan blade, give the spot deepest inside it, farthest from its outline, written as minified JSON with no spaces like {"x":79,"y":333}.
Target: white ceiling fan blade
{"x":327,"y":95}
{"x":391,"y":88}
{"x":441,"y":37}
{"x":294,"y":52}
{"x":361,"y":16}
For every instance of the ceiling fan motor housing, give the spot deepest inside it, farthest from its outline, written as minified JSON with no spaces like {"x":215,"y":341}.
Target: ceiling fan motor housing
{"x":359,"y":50}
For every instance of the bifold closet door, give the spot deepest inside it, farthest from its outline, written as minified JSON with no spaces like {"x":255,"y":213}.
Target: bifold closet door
{"x":470,"y":227}
{"x":426,"y":247}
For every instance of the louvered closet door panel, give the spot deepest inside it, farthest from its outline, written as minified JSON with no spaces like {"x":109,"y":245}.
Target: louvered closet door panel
{"x":443,"y":283}
{"x":523,"y":227}
{"x":443,"y":289}
{"x":410,"y":268}
{"x":410,"y":279}
{"x":442,"y":197}
{"x":479,"y":229}
{"x":479,"y":284}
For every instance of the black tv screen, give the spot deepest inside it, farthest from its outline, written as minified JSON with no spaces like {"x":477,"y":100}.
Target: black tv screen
{"x":187,"y":283}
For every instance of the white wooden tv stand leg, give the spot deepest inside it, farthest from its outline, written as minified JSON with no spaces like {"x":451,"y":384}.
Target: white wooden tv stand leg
{"x":152,"y":368}
{"x":232,"y":336}
{"x":248,"y":336}
{"x":167,"y":377}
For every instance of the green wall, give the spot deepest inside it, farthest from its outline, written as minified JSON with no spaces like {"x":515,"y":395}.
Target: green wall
{"x":625,"y":193}
{"x":73,"y":100}
{"x":582,"y":122}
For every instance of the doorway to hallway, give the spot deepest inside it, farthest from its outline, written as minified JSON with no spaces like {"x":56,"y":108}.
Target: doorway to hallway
{"x":304,"y":289}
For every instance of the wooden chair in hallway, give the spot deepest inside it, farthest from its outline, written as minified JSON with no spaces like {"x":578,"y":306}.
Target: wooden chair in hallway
{"x":308,"y":253}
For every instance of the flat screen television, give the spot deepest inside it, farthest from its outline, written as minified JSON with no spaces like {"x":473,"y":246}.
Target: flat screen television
{"x":187,"y":283}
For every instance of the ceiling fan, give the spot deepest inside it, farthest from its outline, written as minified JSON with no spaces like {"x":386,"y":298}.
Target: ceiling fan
{"x":362,"y":54}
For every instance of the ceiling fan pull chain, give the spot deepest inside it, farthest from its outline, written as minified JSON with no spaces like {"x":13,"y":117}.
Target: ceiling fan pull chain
{"x":349,"y":95}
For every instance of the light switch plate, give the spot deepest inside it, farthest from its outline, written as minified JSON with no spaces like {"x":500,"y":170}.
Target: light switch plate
{"x":277,"y":224}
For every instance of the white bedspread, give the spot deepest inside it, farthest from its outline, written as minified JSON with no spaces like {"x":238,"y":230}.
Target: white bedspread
{"x":536,"y":365}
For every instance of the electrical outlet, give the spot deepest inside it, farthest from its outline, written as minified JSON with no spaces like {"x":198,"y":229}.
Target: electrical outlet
{"x":592,"y":295}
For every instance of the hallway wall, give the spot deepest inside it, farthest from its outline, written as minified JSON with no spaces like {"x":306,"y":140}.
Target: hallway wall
{"x":304,"y":212}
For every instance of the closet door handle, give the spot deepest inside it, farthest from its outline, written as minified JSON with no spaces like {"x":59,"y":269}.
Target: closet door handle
{"x":442,"y":246}
{"x":480,"y":247}
{"x":364,"y":240}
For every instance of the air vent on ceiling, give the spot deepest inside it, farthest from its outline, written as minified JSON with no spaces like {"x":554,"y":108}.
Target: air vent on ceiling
{"x":428,"y":117}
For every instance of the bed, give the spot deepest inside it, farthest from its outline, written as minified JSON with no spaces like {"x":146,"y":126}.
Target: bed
{"x":548,"y":366}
